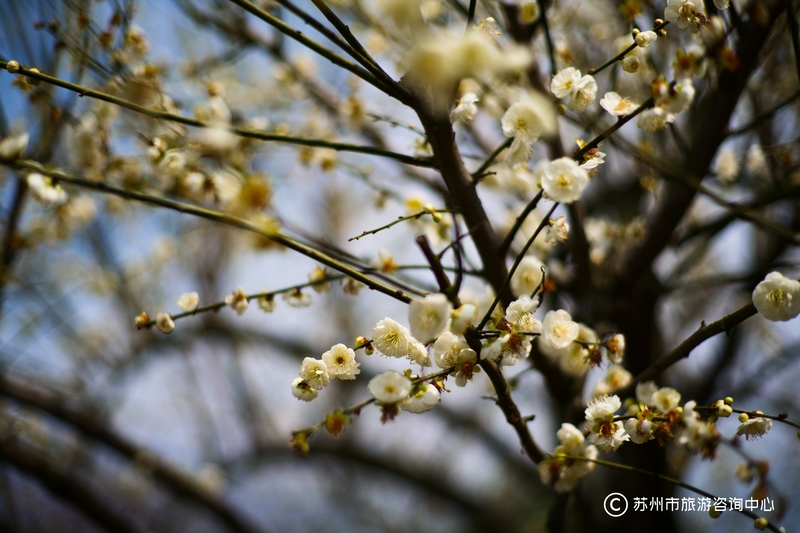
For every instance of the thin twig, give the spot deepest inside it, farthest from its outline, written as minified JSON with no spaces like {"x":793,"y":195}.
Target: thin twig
{"x":242,"y":132}
{"x":215,"y":216}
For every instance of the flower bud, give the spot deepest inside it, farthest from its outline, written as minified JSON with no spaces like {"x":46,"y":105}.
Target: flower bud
{"x":743,"y":418}
{"x":34,"y":81}
{"x":630,"y":64}
{"x":12,"y":66}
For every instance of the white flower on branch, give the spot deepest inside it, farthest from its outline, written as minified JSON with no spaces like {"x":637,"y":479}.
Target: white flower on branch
{"x":189,"y":301}
{"x":47,"y":193}
{"x":644,"y":39}
{"x":390,"y":387}
{"x":466,"y":109}
{"x":520,"y":314}
{"x":390,"y":338}
{"x":528,"y":276}
{"x":430,"y":316}
{"x":557,"y":231}
{"x":341,"y":362}
{"x":424,"y":397}
{"x":666,"y":399}
{"x":303,"y":391}
{"x":616,"y":378}
{"x":640,"y":431}
{"x":447,"y":348}
{"x":580,"y":90}
{"x":754,"y":428}
{"x":686,"y":14}
{"x":529,"y":119}
{"x":315,"y":373}
{"x":726,"y":165}
{"x":654,"y":119}
{"x":13,"y":146}
{"x":164,"y":323}
{"x":558,"y":329}
{"x":563,"y":180}
{"x":238,"y":301}
{"x":617,"y":105}
{"x":777,"y":298}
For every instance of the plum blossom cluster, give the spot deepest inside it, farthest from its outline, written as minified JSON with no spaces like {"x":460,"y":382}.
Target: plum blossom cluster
{"x":656,"y":414}
{"x":337,"y":363}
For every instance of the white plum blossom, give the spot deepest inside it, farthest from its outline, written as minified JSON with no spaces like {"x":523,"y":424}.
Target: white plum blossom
{"x":315,"y":373}
{"x":189,"y":301}
{"x":645,"y":392}
{"x":581,"y":90}
{"x":566,"y":473}
{"x":616,"y":348}
{"x":644,"y":39}
{"x":654,"y":119}
{"x":616,"y":378}
{"x":558,"y":329}
{"x":666,"y":399}
{"x":390,"y":387}
{"x":726,"y":165}
{"x":297,"y":298}
{"x":465,"y":361}
{"x":755,"y":162}
{"x":630,"y":64}
{"x":424,"y":397}
{"x":686,"y":13}
{"x":164,"y":323}
{"x":528,"y":276}
{"x":317,"y":276}
{"x":602,"y":408}
{"x":429,"y":317}
{"x":689,"y":63}
{"x":754,"y":428}
{"x":616,"y":105}
{"x":303,"y":391}
{"x":447,"y":348}
{"x":418,"y":353}
{"x":697,"y":435}
{"x":13,"y":146}
{"x":463,"y":317}
{"x":341,"y":362}
{"x":508,"y":350}
{"x":238,"y":301}
{"x":640,"y":431}
{"x":266,"y":303}
{"x":680,"y":96}
{"x":777,"y":298}
{"x":557,"y":231}
{"x":606,"y":434}
{"x":530,"y":118}
{"x":563,"y":180}
{"x":520,"y":314}
{"x":390,"y":338}
{"x":466,"y":109}
{"x":45,"y":191}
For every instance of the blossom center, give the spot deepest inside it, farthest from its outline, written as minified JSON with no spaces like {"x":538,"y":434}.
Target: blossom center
{"x":777,"y":297}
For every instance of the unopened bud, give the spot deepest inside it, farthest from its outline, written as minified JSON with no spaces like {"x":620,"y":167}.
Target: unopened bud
{"x":34,"y":81}
{"x":12,"y":66}
{"x":743,"y":418}
{"x":630,"y":64}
